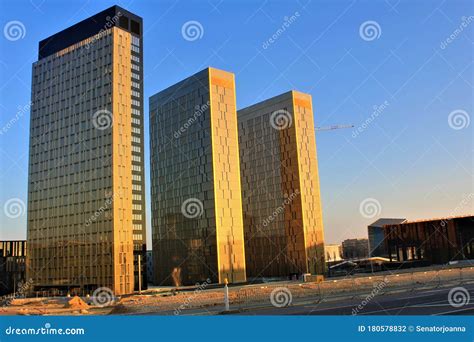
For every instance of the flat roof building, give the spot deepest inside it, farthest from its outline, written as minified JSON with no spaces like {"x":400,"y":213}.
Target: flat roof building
{"x":86,"y":190}
{"x":195,"y":182}
{"x":355,"y":249}
{"x":333,"y":252}
{"x":436,"y":241}
{"x":280,"y":187}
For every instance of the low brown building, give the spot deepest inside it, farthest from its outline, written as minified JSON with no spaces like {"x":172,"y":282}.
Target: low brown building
{"x":435,"y":241}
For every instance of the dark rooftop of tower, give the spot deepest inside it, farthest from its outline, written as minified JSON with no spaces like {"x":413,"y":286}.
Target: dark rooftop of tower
{"x":113,"y":16}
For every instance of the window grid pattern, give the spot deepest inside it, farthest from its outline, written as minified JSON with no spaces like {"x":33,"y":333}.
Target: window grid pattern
{"x":271,"y":174}
{"x":138,"y":170}
{"x":70,"y":173}
{"x":183,"y":151}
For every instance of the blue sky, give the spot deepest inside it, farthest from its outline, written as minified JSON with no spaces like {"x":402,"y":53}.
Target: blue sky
{"x":410,"y":159}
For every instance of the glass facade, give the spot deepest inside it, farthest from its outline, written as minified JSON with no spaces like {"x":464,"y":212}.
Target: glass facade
{"x":195,"y":185}
{"x":280,"y":188}
{"x":138,"y":162}
{"x":86,"y":178}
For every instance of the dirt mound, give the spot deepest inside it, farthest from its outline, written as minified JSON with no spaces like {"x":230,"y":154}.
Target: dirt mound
{"x":25,"y":302}
{"x":24,"y":312}
{"x":76,"y":303}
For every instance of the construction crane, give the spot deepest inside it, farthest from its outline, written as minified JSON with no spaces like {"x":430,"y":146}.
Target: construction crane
{"x":330,"y":128}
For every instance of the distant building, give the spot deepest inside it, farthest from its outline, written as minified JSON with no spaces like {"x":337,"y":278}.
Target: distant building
{"x":376,"y":236}
{"x":435,"y":241}
{"x":12,"y":265}
{"x":355,"y":249}
{"x":149,"y":267}
{"x":333,"y":253}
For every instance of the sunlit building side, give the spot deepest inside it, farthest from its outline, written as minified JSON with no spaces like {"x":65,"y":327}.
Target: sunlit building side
{"x":280,"y":188}
{"x":195,"y":182}
{"x":86,"y":204}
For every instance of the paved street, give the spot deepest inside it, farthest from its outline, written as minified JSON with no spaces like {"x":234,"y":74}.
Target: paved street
{"x":429,"y":302}
{"x":425,"y":302}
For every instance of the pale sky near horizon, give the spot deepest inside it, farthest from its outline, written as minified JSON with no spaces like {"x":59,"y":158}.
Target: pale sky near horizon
{"x":400,"y":71}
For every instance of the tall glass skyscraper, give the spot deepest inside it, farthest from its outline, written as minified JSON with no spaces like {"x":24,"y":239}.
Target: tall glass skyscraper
{"x":195,"y":181}
{"x":280,"y":187}
{"x":86,"y":202}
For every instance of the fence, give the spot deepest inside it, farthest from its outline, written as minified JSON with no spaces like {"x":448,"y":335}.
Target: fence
{"x":281,"y":294}
{"x":287,"y":293}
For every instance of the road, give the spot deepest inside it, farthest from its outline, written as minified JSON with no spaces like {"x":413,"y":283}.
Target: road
{"x":423,"y":302}
{"x":427,"y":302}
